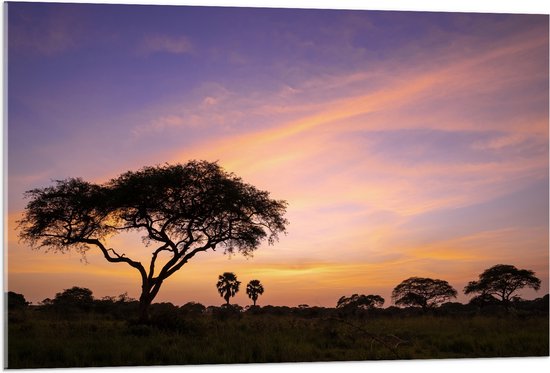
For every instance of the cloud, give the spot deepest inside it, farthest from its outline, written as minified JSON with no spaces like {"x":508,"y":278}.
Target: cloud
{"x":166,"y":44}
{"x":48,"y":33}
{"x":335,"y":141}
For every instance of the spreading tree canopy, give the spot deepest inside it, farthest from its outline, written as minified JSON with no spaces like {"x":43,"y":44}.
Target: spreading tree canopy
{"x":360,"y":301}
{"x":424,"y":292}
{"x":502,"y":281}
{"x":180,"y":209}
{"x":75,"y":297}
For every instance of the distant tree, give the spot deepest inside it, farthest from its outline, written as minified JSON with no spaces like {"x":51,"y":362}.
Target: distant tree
{"x":119,"y":306}
{"x":228,"y":286}
{"x":124,"y":298}
{"x":360,"y":301}
{"x":451,"y":308}
{"x":16,"y":301}
{"x":254,"y":289}
{"x":483,"y":300}
{"x":181,"y":209}
{"x":227,"y":311}
{"x":423,"y":292}
{"x":193,"y":309}
{"x":502,"y":281}
{"x":75,"y":297}
{"x":47,"y":302}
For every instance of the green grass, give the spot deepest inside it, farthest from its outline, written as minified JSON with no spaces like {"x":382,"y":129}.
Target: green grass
{"x":41,"y":340}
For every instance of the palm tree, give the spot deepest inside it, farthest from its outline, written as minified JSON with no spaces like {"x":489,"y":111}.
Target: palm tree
{"x":228,"y":285}
{"x":254,"y":289}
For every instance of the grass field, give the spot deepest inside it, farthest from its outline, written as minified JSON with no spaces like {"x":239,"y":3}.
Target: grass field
{"x":43,"y":340}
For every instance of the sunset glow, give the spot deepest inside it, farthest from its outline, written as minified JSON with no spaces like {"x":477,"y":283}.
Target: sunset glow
{"x":406,"y":143}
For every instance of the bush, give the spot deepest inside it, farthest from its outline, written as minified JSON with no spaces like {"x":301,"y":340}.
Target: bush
{"x":75,"y":298}
{"x":139,"y":330}
{"x":227,"y":311}
{"x":16,"y":301}
{"x":192,"y":309}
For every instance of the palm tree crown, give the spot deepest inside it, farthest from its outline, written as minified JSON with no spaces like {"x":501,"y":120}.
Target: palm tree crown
{"x":228,"y":285}
{"x":254,"y":289}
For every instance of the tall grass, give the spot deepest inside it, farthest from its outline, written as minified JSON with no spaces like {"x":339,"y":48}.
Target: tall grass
{"x":91,"y":340}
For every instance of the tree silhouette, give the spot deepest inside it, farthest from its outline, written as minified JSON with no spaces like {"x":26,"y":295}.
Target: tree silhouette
{"x":75,"y":297}
{"x":180,"y":209}
{"x":228,"y":286}
{"x":16,"y":301}
{"x":424,"y":292}
{"x":193,"y":309}
{"x":483,"y":300}
{"x":360,"y":301}
{"x":254,"y":289}
{"x":502,"y":281}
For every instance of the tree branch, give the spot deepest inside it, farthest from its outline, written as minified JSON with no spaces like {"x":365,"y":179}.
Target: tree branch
{"x":154,"y":258}
{"x":117,"y":259}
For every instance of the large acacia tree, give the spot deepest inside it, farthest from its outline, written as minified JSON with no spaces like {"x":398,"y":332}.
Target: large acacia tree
{"x":502,"y":281}
{"x":424,"y":292}
{"x":180,"y":209}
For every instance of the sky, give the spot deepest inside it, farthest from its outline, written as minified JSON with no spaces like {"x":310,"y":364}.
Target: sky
{"x":406,"y":143}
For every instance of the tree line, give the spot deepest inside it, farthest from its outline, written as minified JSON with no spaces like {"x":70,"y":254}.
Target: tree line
{"x":496,"y":285}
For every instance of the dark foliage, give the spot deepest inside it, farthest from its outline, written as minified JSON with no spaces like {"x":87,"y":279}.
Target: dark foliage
{"x":48,"y":340}
{"x":121,"y":307}
{"x":228,"y":286}
{"x":16,"y":301}
{"x":166,"y":316}
{"x":253,"y":310}
{"x":276,"y":310}
{"x":484,"y":300}
{"x":502,"y":282}
{"x":75,"y":298}
{"x":254,"y":289}
{"x":181,"y":210}
{"x":359,"y":302}
{"x":422,"y":292}
{"x":227,"y":311}
{"x":454,"y":309}
{"x":192,"y":309}
{"x":312,"y":312}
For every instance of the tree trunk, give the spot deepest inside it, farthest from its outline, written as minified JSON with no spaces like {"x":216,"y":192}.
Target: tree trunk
{"x":144,"y":311}
{"x":144,"y":302}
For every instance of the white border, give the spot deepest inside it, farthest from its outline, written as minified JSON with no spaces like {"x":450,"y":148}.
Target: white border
{"x":426,"y":366}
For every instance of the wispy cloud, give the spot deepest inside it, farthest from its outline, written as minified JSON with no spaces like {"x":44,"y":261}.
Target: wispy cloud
{"x":166,"y":44}
{"x":47,"y":34}
{"x":335,"y":139}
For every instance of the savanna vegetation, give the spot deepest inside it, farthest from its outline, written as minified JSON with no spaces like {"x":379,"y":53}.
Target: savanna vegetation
{"x":76,"y":330}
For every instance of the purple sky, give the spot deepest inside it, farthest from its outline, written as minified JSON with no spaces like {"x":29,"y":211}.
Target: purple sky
{"x":406,"y":143}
